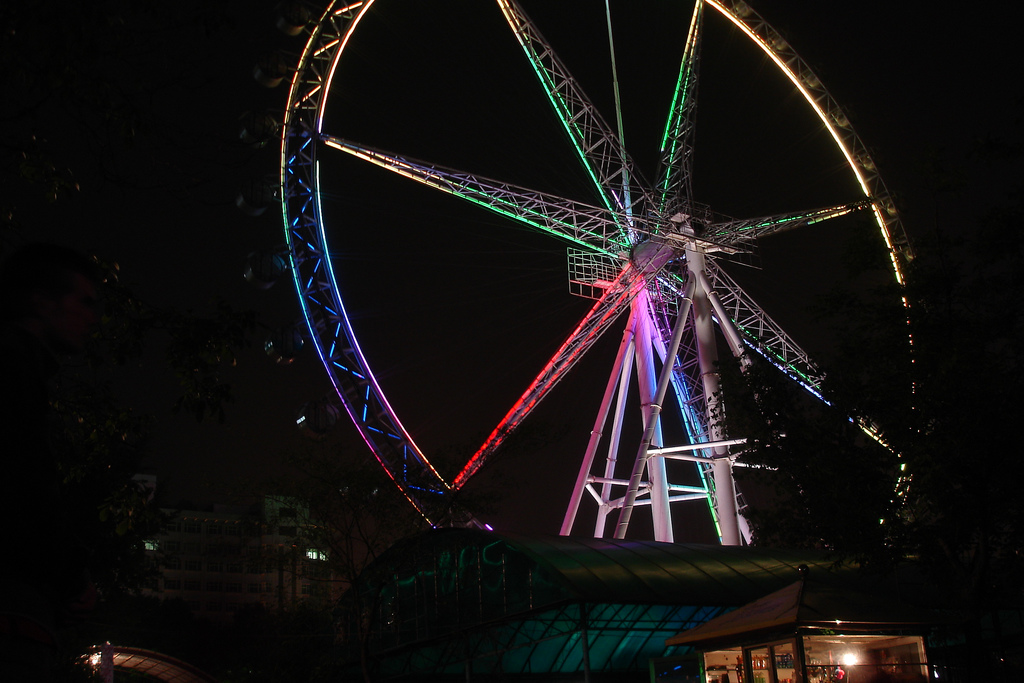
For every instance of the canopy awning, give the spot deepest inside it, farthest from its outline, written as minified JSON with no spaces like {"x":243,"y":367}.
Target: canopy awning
{"x":823,"y":601}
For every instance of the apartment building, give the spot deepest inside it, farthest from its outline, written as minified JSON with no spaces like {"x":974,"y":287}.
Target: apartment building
{"x":224,"y":558}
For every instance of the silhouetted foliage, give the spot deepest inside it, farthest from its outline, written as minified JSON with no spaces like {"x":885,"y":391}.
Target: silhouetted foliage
{"x":198,"y":348}
{"x":946,"y":405}
{"x":827,"y":485}
{"x":86,"y":82}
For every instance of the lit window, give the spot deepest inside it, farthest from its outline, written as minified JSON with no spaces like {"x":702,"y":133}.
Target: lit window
{"x":314,"y":554}
{"x":151,"y":545}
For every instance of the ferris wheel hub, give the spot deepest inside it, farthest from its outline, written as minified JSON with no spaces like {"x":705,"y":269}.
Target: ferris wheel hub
{"x":651,"y":256}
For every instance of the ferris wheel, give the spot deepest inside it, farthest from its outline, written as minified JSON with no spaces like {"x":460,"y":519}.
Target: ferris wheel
{"x":651,"y":260}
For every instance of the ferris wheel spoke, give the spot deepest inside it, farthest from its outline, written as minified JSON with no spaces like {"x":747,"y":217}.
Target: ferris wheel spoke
{"x":761,"y":333}
{"x":674,"y":177}
{"x":590,"y":226}
{"x":738,"y":232}
{"x":615,"y":299}
{"x":616,"y":178}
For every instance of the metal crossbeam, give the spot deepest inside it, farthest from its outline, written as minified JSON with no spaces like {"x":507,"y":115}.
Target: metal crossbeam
{"x":675,"y":182}
{"x":763,"y":334}
{"x":737,"y":232}
{"x":599,"y":148}
{"x":615,"y":300}
{"x":580,"y":223}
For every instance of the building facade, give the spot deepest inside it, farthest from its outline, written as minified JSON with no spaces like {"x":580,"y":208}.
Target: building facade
{"x":225,"y":558}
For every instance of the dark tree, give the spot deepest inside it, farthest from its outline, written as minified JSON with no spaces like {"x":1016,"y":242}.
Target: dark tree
{"x":351,"y":512}
{"x":940,"y":378}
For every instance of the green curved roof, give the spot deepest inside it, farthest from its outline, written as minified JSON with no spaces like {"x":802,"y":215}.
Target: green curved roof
{"x":451,"y":598}
{"x":602,"y":570}
{"x":634,"y":572}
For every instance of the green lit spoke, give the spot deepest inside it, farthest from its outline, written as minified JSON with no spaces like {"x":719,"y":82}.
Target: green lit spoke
{"x":591,"y":227}
{"x":675,"y":178}
{"x":737,"y":232}
{"x":612,"y":172}
{"x":762,"y":333}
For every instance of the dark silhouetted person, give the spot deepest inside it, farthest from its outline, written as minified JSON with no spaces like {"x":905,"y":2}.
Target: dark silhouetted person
{"x":48,"y":308}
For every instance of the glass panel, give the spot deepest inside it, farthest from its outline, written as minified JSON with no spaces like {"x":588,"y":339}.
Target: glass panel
{"x":724,"y":666}
{"x":858,"y":659}
{"x":760,"y":665}
{"x":785,"y":666}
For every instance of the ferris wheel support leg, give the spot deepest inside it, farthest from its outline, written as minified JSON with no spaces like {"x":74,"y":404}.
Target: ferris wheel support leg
{"x":667,"y":370}
{"x":739,"y":351}
{"x":707,"y":355}
{"x":732,"y":335}
{"x":601,"y":523}
{"x":647,"y":381}
{"x":622,"y":360}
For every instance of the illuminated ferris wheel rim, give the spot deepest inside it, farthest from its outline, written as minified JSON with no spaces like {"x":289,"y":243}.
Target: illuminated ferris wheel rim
{"x":306,"y":235}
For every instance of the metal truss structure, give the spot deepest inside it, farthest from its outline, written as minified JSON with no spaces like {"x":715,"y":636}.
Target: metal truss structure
{"x":644,"y":251}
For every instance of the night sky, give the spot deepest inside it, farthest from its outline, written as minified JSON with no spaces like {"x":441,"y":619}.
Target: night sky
{"x":455,"y":309}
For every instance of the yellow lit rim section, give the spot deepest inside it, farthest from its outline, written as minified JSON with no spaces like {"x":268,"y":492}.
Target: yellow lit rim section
{"x":767,"y":49}
{"x":293,"y":89}
{"x":324,"y":88}
{"x":363,"y":7}
{"x":864,"y":425}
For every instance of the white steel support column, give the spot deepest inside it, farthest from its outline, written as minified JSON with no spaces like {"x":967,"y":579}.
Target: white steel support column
{"x":643,"y":455}
{"x":732,"y":335}
{"x":739,"y":351}
{"x":707,"y":355}
{"x":647,"y":380}
{"x":618,"y":379}
{"x":621,"y":403}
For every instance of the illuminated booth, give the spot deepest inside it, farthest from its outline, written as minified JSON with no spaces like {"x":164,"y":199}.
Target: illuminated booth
{"x":817,"y":630}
